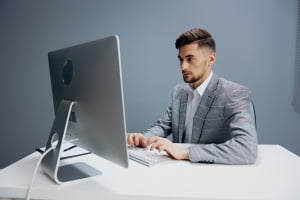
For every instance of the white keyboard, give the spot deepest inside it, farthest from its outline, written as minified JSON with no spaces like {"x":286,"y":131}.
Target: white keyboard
{"x":147,"y":157}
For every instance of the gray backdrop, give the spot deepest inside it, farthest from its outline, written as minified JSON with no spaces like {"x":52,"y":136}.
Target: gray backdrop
{"x":256,"y":46}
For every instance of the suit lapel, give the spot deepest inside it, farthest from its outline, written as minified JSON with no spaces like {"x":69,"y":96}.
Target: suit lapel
{"x":203,"y":108}
{"x":182,"y":114}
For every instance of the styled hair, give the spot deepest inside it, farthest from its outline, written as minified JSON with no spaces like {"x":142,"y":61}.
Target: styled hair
{"x":203,"y":38}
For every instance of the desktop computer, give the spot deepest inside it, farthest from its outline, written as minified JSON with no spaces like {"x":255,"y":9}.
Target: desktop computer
{"x":87,"y":91}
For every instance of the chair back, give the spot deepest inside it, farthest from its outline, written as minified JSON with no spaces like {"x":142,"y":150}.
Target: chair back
{"x":253,"y":113}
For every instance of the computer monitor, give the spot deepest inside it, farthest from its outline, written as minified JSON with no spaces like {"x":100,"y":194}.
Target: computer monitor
{"x":87,"y":91}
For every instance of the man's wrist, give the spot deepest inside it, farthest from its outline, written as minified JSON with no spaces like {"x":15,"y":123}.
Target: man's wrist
{"x":186,"y":154}
{"x":189,"y":157}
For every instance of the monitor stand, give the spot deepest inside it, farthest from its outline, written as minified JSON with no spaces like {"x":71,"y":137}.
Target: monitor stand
{"x":51,"y":161}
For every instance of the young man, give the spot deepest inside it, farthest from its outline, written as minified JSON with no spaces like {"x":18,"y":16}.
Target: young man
{"x":206,"y":110}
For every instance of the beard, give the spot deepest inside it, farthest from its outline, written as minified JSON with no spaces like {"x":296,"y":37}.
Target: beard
{"x":190,"y":80}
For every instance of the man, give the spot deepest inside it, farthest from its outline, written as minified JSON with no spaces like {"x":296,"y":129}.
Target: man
{"x":206,"y":110}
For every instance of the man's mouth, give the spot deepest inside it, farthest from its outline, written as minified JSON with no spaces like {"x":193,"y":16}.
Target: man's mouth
{"x":186,"y":73}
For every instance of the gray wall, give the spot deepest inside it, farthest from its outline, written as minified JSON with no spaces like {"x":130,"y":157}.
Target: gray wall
{"x":256,"y":46}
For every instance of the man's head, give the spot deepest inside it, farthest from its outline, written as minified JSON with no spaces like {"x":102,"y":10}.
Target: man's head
{"x":197,"y":53}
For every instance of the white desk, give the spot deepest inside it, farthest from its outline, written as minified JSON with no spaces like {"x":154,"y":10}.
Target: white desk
{"x":276,"y":175}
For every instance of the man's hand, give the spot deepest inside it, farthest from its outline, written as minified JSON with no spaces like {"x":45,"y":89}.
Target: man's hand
{"x":137,"y":139}
{"x":163,"y":144}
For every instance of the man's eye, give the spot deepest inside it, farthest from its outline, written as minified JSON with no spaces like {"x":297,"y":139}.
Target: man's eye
{"x":190,"y":59}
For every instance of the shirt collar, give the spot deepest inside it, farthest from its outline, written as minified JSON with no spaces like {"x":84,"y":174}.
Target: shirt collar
{"x":201,"y":88}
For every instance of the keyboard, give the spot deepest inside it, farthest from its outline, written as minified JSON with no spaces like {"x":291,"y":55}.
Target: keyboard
{"x":147,"y":157}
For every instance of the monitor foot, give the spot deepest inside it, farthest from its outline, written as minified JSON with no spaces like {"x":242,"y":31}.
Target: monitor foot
{"x":51,"y":161}
{"x":76,"y":171}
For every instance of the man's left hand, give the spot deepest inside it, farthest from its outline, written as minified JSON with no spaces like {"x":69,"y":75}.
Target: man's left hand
{"x":163,"y":144}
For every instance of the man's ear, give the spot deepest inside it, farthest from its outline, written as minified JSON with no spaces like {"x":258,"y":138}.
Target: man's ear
{"x":212,"y":58}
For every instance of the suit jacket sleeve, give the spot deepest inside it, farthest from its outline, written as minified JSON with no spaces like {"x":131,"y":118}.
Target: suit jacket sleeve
{"x":163,"y":127}
{"x":242,"y":147}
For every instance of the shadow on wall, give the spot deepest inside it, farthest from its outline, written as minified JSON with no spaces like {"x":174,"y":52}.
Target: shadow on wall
{"x":296,"y":99}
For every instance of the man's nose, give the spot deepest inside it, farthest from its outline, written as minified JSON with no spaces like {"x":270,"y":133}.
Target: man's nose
{"x":184,"y":65}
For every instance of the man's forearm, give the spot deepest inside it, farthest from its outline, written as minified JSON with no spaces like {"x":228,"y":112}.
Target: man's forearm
{"x":231,"y":152}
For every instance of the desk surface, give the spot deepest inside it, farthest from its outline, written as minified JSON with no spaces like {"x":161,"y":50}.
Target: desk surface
{"x":275,"y":175}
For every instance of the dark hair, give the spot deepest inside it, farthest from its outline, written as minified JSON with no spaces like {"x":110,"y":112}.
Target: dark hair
{"x":203,"y":37}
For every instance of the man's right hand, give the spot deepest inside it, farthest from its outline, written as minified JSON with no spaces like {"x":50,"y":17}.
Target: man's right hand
{"x":137,"y":139}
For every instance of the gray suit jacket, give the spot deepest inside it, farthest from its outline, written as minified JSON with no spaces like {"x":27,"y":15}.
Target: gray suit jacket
{"x":222,"y":125}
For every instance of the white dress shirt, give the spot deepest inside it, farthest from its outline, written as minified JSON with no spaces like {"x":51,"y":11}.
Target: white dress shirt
{"x":194,"y":98}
